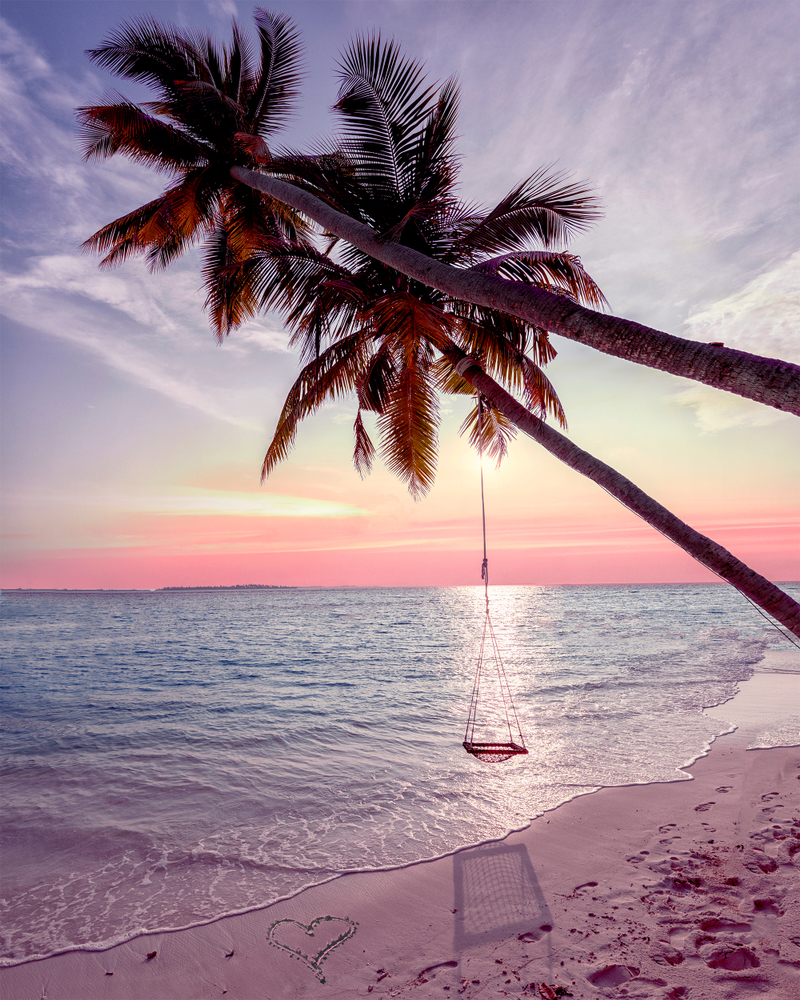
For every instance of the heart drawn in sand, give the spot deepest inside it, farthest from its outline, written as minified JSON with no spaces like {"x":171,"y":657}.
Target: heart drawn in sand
{"x":300,"y":940}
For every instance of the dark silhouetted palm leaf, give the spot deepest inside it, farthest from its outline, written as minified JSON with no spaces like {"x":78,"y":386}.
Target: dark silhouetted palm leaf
{"x":215,"y":108}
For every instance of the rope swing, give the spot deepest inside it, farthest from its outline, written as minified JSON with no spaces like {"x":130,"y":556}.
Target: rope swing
{"x":490,"y":752}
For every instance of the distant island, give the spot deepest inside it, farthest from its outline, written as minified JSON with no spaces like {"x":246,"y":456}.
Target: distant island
{"x":236,"y":586}
{"x":144,"y":590}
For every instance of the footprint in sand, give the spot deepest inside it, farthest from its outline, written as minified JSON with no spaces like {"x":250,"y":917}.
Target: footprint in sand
{"x":767,"y":906}
{"x":667,"y":955}
{"x":761,"y":862}
{"x":704,"y":807}
{"x":430,"y":971}
{"x":714,"y":925}
{"x":666,"y":827}
{"x":770,"y":795}
{"x":612,"y":975}
{"x":733,"y":959}
{"x":723,"y":788}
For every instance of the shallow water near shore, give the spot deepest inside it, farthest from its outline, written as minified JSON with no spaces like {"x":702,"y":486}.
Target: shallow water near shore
{"x":170,"y":757}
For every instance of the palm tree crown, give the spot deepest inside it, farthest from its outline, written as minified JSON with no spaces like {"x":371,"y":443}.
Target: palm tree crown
{"x":364,"y":327}
{"x":213,"y":109}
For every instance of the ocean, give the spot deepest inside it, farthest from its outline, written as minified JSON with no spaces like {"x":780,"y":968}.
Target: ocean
{"x":170,"y":757}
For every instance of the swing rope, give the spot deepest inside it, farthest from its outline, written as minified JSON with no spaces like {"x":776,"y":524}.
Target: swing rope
{"x":490,"y":752}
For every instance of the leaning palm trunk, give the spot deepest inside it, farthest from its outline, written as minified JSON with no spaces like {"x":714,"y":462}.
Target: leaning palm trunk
{"x":767,"y":380}
{"x":707,"y":552}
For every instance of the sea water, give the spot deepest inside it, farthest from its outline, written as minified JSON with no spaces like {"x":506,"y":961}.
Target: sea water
{"x":169,"y":757}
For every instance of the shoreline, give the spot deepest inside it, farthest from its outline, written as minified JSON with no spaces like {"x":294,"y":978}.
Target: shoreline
{"x":402,"y":930}
{"x":776,"y":661}
{"x":654,"y":901}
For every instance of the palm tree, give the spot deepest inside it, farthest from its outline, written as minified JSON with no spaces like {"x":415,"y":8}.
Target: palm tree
{"x":196,"y":130}
{"x":365,"y":328}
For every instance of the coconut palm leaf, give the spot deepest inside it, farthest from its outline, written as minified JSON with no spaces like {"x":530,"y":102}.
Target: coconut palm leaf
{"x":409,"y":425}
{"x":542,"y":208}
{"x":332,"y":375}
{"x":213,"y":109}
{"x":364,"y":451}
{"x":122,"y":127}
{"x":490,"y":431}
{"x":148,"y":51}
{"x":375,"y":381}
{"x":274,"y":92}
{"x":561,"y":273}
{"x":383,"y":102}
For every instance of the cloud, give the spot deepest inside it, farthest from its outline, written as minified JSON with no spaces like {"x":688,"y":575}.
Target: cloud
{"x":128,"y":292}
{"x":207,"y":503}
{"x":245,"y":505}
{"x":763,"y":318}
{"x":717,"y":411}
{"x":269,"y":336}
{"x":19,"y":55}
{"x":223,"y":8}
{"x":34,"y":300}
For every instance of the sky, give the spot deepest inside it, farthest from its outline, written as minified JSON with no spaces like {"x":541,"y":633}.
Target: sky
{"x":132,"y":443}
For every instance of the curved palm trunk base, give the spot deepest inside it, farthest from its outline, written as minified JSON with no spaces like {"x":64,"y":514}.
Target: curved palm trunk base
{"x":767,"y":380}
{"x":706,"y":551}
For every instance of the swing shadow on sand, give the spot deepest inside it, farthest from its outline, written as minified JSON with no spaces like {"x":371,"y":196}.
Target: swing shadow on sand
{"x":497,"y":895}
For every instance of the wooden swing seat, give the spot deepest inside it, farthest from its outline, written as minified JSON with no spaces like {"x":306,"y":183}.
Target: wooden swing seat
{"x":494,"y":753}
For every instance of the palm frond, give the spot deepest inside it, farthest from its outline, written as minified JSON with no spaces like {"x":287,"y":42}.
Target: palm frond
{"x":561,"y":273}
{"x":364,"y":451}
{"x":409,"y":426}
{"x":540,"y":396}
{"x":543,"y":208}
{"x":500,"y":343}
{"x":433,"y":162}
{"x":122,"y":127}
{"x":230,"y":298}
{"x":448,"y":380}
{"x":330,"y":376}
{"x":403,"y":319}
{"x":375,"y":382}
{"x":275,"y":92}
{"x":289,"y":276}
{"x":237,"y":75}
{"x":384,"y":105}
{"x":190,"y":208}
{"x":490,"y":431}
{"x":207,"y":109}
{"x":146,"y":50}
{"x":135,"y":230}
